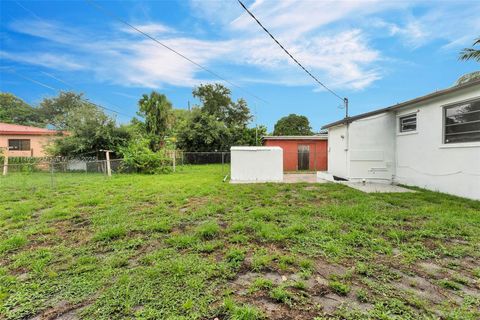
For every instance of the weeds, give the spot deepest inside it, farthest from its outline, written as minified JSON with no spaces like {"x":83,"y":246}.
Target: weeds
{"x":178,"y":244}
{"x":339,"y":287}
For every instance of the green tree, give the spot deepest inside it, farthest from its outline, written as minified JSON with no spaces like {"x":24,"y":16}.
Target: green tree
{"x":471,"y":53}
{"x":216,"y":100}
{"x":248,"y":136}
{"x":292,"y":125}
{"x":55,"y":111}
{"x":218,"y":123}
{"x":203,"y":132}
{"x":15,"y":110}
{"x":89,"y":130}
{"x":157,"y":112}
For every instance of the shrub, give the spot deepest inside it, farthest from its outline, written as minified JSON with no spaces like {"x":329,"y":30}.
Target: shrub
{"x":139,"y":158}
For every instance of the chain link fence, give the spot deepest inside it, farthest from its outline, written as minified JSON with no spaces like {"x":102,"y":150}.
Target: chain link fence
{"x":54,"y":170}
{"x":62,"y":171}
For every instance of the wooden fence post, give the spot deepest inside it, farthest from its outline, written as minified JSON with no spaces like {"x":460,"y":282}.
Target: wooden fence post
{"x":5,"y":161}
{"x":109,"y":169}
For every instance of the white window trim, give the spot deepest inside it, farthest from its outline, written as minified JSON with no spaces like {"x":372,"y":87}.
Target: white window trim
{"x":444,"y":145}
{"x":460,"y":145}
{"x":405,"y":133}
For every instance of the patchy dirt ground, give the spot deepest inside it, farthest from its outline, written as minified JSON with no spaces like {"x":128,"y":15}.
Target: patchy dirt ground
{"x":188,"y":246}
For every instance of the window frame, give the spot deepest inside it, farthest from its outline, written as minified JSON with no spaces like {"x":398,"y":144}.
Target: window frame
{"x":20,"y":144}
{"x":444,"y":122}
{"x":407,"y":115}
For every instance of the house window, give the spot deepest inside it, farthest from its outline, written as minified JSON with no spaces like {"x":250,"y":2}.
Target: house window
{"x":462,"y":122}
{"x":408,"y":123}
{"x":19,"y":144}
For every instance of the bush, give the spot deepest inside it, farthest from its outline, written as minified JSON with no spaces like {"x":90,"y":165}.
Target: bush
{"x":138,"y":157}
{"x":21,"y":164}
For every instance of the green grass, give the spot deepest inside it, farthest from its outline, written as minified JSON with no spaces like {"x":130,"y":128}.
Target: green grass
{"x":339,"y":287}
{"x":188,"y":246}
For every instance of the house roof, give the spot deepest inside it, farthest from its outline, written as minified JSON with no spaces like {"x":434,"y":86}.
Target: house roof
{"x":405,"y":104}
{"x":15,"y":129}
{"x":316,"y":137}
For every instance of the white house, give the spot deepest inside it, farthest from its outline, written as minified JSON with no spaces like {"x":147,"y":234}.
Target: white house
{"x":432,"y":142}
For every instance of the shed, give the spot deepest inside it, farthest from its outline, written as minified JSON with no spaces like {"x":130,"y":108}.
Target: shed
{"x":256,"y":164}
{"x":301,"y":152}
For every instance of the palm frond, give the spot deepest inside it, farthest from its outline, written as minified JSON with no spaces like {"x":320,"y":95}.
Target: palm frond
{"x":468,"y":53}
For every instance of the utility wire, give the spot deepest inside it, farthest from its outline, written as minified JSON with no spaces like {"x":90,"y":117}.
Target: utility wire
{"x":54,"y":77}
{"x":57,"y":89}
{"x":288,"y":53}
{"x":109,"y":13}
{"x":58,"y":79}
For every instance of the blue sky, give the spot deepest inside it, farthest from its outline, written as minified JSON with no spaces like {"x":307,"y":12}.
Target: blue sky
{"x":376,"y":53}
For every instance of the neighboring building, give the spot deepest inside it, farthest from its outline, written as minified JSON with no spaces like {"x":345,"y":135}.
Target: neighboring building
{"x":432,"y":142}
{"x":301,"y":152}
{"x":24,"y":141}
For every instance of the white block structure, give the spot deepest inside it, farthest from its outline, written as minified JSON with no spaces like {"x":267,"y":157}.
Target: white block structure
{"x":256,"y":164}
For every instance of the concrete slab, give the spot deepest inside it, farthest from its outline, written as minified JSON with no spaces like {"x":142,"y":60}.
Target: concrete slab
{"x":302,"y":177}
{"x":370,"y":187}
{"x":290,"y":178}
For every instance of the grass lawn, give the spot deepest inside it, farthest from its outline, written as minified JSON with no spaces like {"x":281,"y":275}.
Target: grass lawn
{"x":188,"y":246}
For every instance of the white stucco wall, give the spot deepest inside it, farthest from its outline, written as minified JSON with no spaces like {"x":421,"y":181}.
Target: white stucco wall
{"x":256,"y":164}
{"x":378,"y":151}
{"x":371,"y":149}
{"x":424,"y":160}
{"x":371,"y":153}
{"x":337,"y":151}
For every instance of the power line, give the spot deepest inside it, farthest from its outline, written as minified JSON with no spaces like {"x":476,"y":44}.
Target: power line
{"x":58,"y":79}
{"x":109,"y":13}
{"x":55,"y":77}
{"x":288,"y":53}
{"x":57,"y":89}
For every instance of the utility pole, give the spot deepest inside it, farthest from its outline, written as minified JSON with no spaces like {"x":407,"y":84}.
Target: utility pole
{"x":345,"y":103}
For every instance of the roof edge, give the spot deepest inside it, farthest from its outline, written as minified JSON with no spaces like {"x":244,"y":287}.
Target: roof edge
{"x":315,"y":137}
{"x":403,"y":104}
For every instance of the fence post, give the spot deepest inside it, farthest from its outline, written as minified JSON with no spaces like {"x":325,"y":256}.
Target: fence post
{"x":107,"y":157}
{"x":5,"y":161}
{"x":51,"y":172}
{"x":174,"y":157}
{"x":222,"y":164}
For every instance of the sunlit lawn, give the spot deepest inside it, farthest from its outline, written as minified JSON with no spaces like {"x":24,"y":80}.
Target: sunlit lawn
{"x":189,"y":246}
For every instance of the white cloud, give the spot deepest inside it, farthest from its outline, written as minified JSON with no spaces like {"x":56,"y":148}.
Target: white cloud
{"x":333,"y":39}
{"x":456,"y":24}
{"x":124,"y":61}
{"x":49,"y":60}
